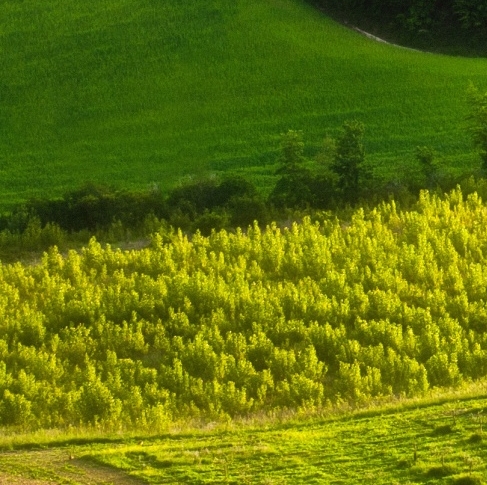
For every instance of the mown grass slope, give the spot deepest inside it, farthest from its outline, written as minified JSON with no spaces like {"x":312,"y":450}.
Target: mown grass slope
{"x":441,"y":443}
{"x":415,"y":442}
{"x":134,"y":92}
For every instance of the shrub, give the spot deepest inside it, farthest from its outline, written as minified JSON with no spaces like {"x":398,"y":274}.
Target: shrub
{"x":467,"y":480}
{"x":441,"y":471}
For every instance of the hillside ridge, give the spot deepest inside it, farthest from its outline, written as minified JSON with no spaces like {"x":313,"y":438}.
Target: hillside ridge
{"x":148,"y":93}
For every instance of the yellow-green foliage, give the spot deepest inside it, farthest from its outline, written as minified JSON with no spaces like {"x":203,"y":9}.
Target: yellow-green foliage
{"x":388,"y":303}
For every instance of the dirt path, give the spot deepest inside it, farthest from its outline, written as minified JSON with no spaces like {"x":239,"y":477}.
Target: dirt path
{"x":57,"y":466}
{"x":378,"y":39}
{"x":367,"y":34}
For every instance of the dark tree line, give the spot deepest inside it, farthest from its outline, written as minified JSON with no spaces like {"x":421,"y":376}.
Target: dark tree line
{"x":458,"y":26}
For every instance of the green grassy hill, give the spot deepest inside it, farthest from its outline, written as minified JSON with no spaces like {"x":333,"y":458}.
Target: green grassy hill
{"x":134,"y":92}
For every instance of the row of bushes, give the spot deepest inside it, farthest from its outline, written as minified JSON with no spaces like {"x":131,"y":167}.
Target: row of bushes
{"x":70,"y":222}
{"x":337,"y":177}
{"x":95,"y":207}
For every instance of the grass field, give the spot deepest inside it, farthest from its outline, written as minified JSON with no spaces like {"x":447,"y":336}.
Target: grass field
{"x":135,"y":92}
{"x":413,"y":442}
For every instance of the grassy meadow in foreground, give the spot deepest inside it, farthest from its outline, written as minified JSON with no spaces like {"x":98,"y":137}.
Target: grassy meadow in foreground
{"x":134,"y":92}
{"x":357,"y":449}
{"x":416,"y":442}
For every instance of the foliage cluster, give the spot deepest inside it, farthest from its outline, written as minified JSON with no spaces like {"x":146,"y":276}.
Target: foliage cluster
{"x":478,"y":121}
{"x":391,"y":303}
{"x":96,"y":207}
{"x":339,"y":176}
{"x":125,"y":216}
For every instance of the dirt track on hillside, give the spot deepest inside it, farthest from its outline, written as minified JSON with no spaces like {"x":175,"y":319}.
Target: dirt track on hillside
{"x":367,"y":34}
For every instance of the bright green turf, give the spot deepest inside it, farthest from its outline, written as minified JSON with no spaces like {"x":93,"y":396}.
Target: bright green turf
{"x":416,"y":442}
{"x":352,"y":451}
{"x":134,"y":92}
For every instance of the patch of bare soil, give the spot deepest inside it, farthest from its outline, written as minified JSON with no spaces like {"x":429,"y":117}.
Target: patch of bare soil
{"x":13,"y":480}
{"x":57,"y":466}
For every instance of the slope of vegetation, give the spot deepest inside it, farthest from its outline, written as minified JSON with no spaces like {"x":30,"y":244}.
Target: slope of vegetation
{"x":137,"y":92}
{"x":388,"y":303}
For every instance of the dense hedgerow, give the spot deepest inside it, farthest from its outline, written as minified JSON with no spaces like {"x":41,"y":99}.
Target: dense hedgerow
{"x":391,"y":303}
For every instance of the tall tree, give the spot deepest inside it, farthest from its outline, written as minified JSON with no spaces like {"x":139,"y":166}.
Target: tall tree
{"x":478,"y":121}
{"x":426,"y":158}
{"x":349,"y":159}
{"x":293,"y":189}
